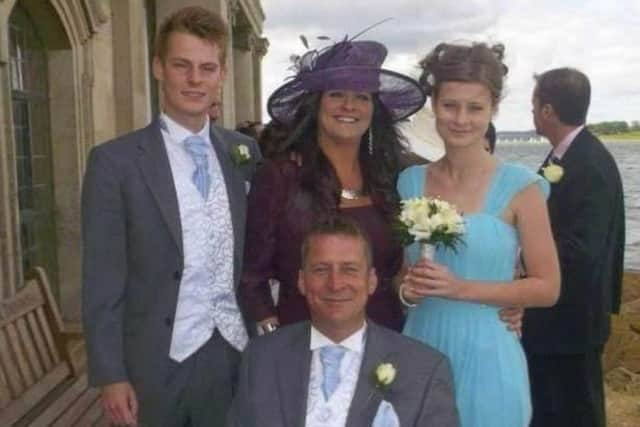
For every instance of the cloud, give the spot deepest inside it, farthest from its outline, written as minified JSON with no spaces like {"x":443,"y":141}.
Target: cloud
{"x":597,"y":36}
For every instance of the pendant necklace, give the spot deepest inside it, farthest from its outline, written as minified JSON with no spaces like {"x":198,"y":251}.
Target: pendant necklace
{"x":350,"y":194}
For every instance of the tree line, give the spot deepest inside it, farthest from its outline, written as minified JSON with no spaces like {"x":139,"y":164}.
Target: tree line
{"x":610,"y":128}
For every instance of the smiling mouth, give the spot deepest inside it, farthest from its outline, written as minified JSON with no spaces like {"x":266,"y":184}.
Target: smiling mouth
{"x":348,"y":120}
{"x":193,"y":94}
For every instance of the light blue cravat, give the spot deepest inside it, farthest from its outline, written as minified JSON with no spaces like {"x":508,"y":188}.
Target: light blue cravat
{"x":196,"y":146}
{"x":331,"y":356}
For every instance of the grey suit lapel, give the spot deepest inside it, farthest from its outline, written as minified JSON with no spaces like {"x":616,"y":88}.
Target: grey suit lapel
{"x":367,"y":398}
{"x":294,"y":368}
{"x":235,"y":187}
{"x":154,"y":163}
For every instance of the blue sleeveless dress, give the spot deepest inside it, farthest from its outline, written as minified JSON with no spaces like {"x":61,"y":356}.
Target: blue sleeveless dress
{"x":489,"y":365}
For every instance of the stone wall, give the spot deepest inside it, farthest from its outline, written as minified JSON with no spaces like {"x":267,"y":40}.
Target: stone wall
{"x":621,"y":361}
{"x":98,"y":54}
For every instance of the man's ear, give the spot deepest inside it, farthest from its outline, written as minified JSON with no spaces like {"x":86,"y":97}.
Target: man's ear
{"x":373,"y":280}
{"x":158,"y":71}
{"x":301,"y":285}
{"x":223,"y":73}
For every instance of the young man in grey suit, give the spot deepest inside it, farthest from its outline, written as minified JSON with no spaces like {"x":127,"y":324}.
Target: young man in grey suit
{"x":163,"y":212}
{"x":341,"y":369}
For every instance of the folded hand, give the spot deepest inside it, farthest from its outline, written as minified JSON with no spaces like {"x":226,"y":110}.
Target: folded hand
{"x":427,"y":278}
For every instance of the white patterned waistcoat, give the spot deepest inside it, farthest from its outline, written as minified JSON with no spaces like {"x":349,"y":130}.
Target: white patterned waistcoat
{"x":206,"y":298}
{"x":334,"y":412}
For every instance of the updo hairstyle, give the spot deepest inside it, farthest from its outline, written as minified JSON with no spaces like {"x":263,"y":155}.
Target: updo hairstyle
{"x":459,"y":63}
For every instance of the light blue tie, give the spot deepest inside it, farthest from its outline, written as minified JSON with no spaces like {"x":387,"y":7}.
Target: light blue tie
{"x":331,"y":356}
{"x":196,"y":146}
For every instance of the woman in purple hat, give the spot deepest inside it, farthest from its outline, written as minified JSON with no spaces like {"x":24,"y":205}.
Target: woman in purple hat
{"x":455,"y":297}
{"x":340,"y":107}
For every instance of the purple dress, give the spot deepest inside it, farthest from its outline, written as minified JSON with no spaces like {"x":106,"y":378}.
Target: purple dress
{"x":278,"y":217}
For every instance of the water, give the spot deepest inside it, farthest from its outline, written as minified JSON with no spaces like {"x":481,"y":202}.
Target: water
{"x":627,"y":155}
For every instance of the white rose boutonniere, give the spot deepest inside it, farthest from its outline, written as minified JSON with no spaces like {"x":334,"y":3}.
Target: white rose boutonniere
{"x":384,"y":375}
{"x":553,"y":173}
{"x":240,"y":154}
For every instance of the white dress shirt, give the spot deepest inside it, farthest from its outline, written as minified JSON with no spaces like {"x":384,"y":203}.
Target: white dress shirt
{"x":333,"y":412}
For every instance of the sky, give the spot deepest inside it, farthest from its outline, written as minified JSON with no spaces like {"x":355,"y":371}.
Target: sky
{"x":599,"y":37}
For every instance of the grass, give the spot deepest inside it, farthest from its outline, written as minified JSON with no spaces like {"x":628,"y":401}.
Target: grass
{"x":627,"y":136}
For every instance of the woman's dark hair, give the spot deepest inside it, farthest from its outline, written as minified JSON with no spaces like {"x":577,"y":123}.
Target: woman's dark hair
{"x":491,"y":137}
{"x":271,"y":138}
{"x":459,"y":63}
{"x":249,"y":128}
{"x":318,"y":177}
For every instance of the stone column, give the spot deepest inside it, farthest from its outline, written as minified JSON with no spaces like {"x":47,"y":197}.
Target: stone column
{"x":262,"y":44}
{"x":130,"y":65}
{"x":244,"y":83}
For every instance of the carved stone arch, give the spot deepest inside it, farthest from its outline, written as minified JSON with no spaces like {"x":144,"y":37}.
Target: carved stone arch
{"x":97,"y":13}
{"x":66,"y":27}
{"x":51,"y":36}
{"x":49,"y":24}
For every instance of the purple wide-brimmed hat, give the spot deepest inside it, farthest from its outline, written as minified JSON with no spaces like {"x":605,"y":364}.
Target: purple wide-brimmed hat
{"x":347,"y":65}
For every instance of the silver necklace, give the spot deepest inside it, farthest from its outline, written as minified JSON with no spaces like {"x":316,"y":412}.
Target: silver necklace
{"x":349,"y":194}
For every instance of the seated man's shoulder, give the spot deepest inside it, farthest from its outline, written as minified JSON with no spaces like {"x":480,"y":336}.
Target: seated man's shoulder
{"x":282,"y":337}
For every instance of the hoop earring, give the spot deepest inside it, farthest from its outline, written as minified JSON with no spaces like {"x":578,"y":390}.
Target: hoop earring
{"x":370,"y":141}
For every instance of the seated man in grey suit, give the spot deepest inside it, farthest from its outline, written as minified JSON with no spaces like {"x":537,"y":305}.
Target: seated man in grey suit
{"x":341,"y":369}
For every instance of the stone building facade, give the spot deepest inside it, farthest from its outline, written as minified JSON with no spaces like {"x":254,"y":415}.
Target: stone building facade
{"x":73,"y":74}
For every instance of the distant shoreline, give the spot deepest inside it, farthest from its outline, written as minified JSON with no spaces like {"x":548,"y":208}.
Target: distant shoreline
{"x":607,"y":139}
{"x":616,"y":141}
{"x":621,"y":137}
{"x":531,"y":137}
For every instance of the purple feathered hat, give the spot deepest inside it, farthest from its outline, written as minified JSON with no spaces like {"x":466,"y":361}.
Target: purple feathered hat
{"x":347,"y":65}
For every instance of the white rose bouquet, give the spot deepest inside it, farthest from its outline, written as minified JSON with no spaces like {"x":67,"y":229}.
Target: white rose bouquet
{"x":431,"y":222}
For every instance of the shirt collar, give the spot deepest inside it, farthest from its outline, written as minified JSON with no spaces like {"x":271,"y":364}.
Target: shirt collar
{"x":562,"y":148}
{"x":354,"y":342}
{"x":179,"y":133}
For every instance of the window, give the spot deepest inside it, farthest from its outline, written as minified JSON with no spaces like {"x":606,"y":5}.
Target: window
{"x":30,"y":103}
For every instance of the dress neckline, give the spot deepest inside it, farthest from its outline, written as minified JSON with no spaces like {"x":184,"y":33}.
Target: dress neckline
{"x":487,"y":195}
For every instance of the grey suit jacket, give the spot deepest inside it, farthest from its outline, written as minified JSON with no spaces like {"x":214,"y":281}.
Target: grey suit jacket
{"x":133,"y":255}
{"x":274,"y":380}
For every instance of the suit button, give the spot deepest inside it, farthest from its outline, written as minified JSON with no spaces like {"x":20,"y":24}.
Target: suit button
{"x":168,"y":321}
{"x":176,"y":275}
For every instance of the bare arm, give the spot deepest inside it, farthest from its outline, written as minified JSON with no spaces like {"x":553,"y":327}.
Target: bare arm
{"x":542,"y":286}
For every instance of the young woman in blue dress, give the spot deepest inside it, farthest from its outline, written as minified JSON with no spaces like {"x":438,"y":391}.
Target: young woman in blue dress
{"x":455,"y":298}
